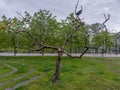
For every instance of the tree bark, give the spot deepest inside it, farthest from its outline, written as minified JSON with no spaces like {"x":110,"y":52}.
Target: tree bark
{"x":57,"y":71}
{"x":86,"y":49}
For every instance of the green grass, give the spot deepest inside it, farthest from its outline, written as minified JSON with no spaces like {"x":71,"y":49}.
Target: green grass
{"x":87,"y":73}
{"x":4,"y":69}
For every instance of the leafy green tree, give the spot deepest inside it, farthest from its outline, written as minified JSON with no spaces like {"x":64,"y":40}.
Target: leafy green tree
{"x":99,"y":39}
{"x":116,"y":45}
{"x":42,"y":25}
{"x":4,"y":36}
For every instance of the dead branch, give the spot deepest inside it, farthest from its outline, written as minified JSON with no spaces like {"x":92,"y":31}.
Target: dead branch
{"x":44,"y":47}
{"x":79,"y":56}
{"x":70,"y":36}
{"x":86,"y":48}
{"x":77,"y":13}
{"x":107,"y":17}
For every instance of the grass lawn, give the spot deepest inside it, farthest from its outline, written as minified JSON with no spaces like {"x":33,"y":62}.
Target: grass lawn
{"x":87,"y":73}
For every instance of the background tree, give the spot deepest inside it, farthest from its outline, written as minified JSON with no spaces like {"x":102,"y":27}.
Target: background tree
{"x":5,"y":38}
{"x":99,"y":39}
{"x":116,"y":45}
{"x":14,"y":26}
{"x":43,"y":26}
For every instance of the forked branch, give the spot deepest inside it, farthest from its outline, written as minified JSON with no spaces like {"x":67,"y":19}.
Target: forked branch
{"x":77,"y":13}
{"x":45,"y":47}
{"x":86,"y":47}
{"x":70,"y":36}
{"x":75,"y":28}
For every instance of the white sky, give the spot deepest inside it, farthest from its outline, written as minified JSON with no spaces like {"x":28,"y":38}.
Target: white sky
{"x":92,"y":9}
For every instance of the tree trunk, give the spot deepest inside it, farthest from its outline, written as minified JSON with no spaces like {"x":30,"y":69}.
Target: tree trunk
{"x":42,"y":51}
{"x":14,"y":45}
{"x":57,"y":71}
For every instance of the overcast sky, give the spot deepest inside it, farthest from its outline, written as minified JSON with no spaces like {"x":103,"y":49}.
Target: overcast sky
{"x":92,"y":9}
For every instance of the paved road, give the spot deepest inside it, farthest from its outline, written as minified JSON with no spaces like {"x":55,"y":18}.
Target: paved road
{"x":49,"y":54}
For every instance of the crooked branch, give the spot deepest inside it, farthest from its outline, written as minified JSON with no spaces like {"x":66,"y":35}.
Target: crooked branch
{"x":107,"y":17}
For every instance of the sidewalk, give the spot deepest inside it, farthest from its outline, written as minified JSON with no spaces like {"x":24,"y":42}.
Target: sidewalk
{"x":55,"y":54}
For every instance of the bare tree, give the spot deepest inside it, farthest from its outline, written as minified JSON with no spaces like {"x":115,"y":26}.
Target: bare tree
{"x":61,"y":50}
